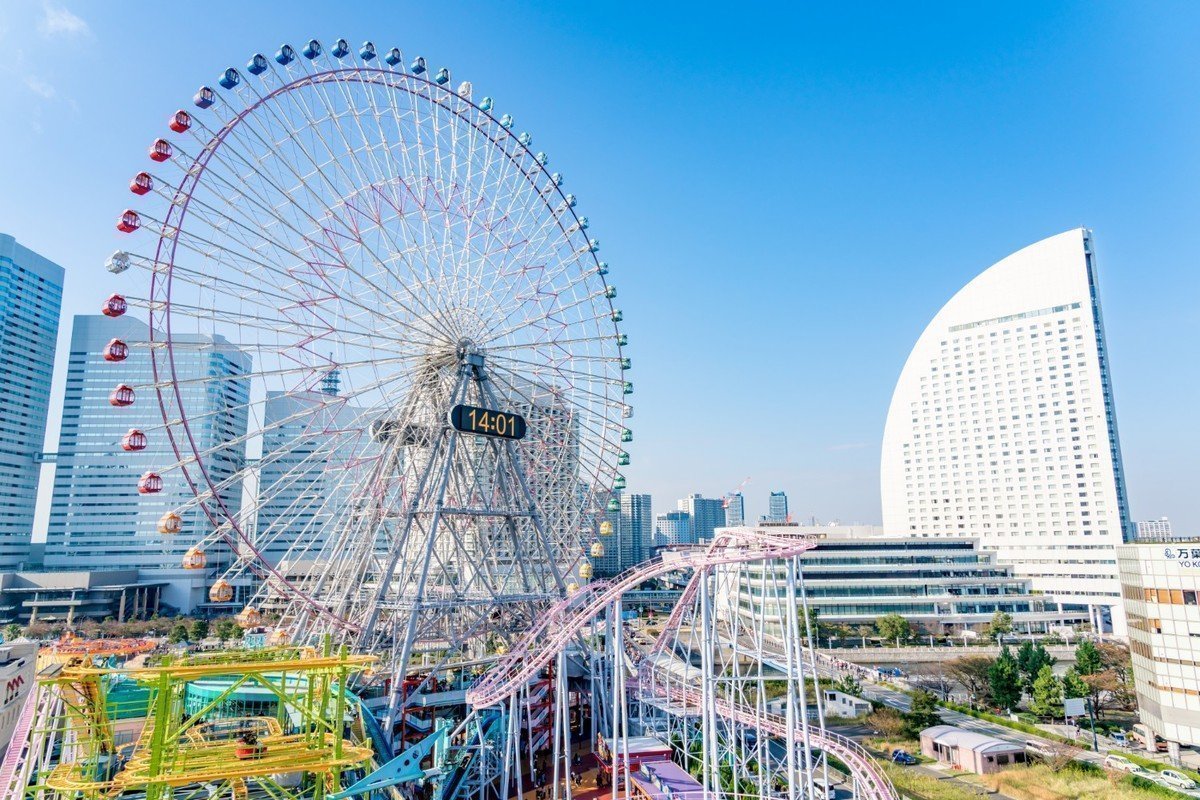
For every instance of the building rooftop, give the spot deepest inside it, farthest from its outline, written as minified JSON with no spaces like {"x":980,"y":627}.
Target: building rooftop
{"x":970,"y":740}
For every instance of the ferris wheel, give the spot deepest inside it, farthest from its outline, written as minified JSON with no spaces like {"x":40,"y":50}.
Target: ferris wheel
{"x":384,"y":349}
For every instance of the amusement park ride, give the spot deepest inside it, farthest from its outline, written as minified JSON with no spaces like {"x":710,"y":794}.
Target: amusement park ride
{"x":403,"y":275}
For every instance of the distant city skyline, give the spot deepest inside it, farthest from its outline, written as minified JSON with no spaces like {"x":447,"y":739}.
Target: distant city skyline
{"x":951,"y":137}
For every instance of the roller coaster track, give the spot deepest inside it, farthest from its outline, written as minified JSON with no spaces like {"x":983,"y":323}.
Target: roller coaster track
{"x":566,"y":619}
{"x":28,"y":743}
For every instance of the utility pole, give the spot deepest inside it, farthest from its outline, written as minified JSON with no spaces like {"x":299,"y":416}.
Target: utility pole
{"x":1092,"y":717}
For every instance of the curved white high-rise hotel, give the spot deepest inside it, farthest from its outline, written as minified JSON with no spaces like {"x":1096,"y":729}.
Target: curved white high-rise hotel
{"x":1002,"y":426}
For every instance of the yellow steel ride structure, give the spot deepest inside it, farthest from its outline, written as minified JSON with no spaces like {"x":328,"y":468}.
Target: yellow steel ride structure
{"x":182,"y":747}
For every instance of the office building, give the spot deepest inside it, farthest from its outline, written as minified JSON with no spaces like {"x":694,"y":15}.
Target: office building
{"x":777,"y":508}
{"x":31,"y":291}
{"x":632,"y":538}
{"x":735,"y":510}
{"x":942,"y":585}
{"x":672,"y":528}
{"x":97,"y":516}
{"x":1160,"y":584}
{"x":18,"y":672}
{"x":1002,"y":426}
{"x":69,"y":597}
{"x":307,"y":471}
{"x":1155,"y":529}
{"x":705,"y":516}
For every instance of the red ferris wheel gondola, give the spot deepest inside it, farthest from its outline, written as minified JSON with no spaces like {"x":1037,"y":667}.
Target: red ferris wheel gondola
{"x":122,"y":396}
{"x":114,"y":306}
{"x":150,"y":483}
{"x":116,"y":350}
{"x":141,"y":183}
{"x":129,"y":221}
{"x":133,"y":440}
{"x":161,"y":150}
{"x":180,"y":121}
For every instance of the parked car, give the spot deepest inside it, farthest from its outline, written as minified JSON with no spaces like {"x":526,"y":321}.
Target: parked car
{"x":903,"y":758}
{"x":1120,"y":738}
{"x":1177,"y":780}
{"x":1120,"y":764}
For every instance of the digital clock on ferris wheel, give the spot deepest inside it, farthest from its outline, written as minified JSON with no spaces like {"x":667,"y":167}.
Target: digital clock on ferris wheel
{"x":486,"y":422}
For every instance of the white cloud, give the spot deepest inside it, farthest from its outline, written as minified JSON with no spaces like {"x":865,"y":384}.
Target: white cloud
{"x":39,"y":87}
{"x":57,"y":20}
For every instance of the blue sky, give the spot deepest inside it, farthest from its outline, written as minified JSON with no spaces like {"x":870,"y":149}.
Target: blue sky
{"x":787,"y":194}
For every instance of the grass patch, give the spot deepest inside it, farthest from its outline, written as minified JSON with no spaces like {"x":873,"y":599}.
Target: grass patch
{"x":1041,"y":783}
{"x":926,"y":787}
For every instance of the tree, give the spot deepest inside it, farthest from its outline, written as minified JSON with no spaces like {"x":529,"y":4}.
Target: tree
{"x":1087,"y":658}
{"x":1031,"y":658}
{"x":936,"y":679}
{"x":1116,"y":660}
{"x":1073,"y":685}
{"x":921,"y":714}
{"x":1057,"y":755}
{"x":227,"y":629}
{"x":178,"y":634}
{"x":886,"y":721}
{"x":848,"y":684}
{"x":199,"y":630}
{"x":1047,"y":695}
{"x":815,"y":627}
{"x":1001,"y":624}
{"x":1004,"y":677}
{"x":11,"y":632}
{"x":893,"y":626}
{"x":974,"y":673}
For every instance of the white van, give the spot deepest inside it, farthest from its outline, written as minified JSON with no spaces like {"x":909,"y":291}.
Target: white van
{"x":1119,"y":763}
{"x":1177,"y":780}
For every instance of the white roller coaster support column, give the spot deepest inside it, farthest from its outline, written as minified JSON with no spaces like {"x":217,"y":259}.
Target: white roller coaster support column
{"x":816,"y":675}
{"x":564,"y":621}
{"x":792,"y":716}
{"x":513,"y":730}
{"x":620,"y":698}
{"x":708,"y":733}
{"x":20,"y":747}
{"x":796,"y":668}
{"x":562,"y":730}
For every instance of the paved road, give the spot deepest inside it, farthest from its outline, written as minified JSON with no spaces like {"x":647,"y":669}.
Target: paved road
{"x":902,"y":701}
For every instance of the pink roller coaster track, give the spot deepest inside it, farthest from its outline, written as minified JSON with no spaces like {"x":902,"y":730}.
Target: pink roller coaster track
{"x":568,"y":617}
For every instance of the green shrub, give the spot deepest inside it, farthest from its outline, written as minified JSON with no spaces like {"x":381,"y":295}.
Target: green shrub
{"x":1016,"y":726}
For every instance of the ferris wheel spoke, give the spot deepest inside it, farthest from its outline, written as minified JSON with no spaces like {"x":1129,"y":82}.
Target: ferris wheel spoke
{"x":363,"y":171}
{"x":557,"y":315}
{"x":266,"y":428}
{"x":345,"y":228}
{"x":567,"y":373}
{"x":513,"y":384}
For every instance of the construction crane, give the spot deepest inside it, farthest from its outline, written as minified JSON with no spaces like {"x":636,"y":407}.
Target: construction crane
{"x":740,"y":486}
